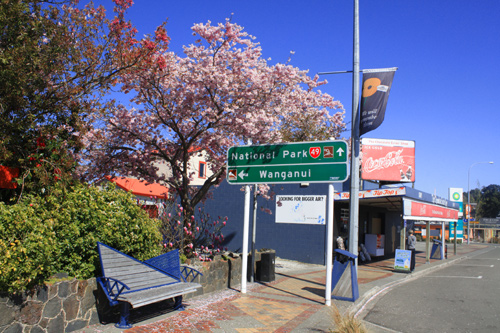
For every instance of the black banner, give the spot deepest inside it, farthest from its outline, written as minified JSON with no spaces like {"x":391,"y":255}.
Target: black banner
{"x":376,"y":88}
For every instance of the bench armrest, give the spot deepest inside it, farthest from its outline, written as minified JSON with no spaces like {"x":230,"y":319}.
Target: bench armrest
{"x":112,"y":288}
{"x":188,"y":274}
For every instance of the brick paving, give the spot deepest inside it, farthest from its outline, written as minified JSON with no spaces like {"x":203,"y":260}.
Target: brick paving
{"x":292,"y":303}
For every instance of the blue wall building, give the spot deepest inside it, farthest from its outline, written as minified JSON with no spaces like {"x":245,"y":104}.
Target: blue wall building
{"x":381,"y":212}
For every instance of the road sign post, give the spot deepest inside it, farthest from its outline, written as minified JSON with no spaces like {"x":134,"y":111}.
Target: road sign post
{"x":304,"y":162}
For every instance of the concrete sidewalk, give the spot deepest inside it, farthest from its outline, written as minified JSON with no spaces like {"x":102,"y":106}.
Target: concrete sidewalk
{"x":292,"y":303}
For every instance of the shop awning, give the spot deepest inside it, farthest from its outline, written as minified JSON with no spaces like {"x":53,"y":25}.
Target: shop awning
{"x":421,"y":211}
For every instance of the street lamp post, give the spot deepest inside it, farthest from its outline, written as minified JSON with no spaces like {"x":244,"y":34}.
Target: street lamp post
{"x":468,"y":200}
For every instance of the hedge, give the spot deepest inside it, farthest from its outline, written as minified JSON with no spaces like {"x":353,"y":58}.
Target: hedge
{"x":41,"y":236}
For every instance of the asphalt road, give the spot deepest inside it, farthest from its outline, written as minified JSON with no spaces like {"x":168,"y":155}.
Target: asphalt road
{"x":461,"y":297}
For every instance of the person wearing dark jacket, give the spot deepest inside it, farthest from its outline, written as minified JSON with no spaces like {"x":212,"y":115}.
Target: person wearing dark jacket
{"x":412,"y":242}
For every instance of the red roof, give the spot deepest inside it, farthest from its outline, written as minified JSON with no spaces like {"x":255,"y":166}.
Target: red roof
{"x":140,"y":187}
{"x":7,"y":176}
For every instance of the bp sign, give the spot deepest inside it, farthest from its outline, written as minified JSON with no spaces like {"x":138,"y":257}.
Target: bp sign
{"x":304,"y":162}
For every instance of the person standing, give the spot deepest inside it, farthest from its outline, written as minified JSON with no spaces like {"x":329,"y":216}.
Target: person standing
{"x":412,"y":242}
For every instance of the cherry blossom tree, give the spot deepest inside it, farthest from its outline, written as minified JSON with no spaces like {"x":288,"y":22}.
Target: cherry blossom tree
{"x":219,"y":93}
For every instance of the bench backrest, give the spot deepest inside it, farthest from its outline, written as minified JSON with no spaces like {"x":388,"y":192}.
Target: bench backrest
{"x":132,"y":272}
{"x":168,"y":263}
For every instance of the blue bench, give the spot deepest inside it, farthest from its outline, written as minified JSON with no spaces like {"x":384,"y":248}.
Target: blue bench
{"x":133,"y":283}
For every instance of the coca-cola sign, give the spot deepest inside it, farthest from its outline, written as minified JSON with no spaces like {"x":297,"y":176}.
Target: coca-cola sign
{"x":420,"y":209}
{"x":388,"y":160}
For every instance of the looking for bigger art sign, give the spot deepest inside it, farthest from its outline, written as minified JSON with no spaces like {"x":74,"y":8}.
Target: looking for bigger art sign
{"x":388,"y":160}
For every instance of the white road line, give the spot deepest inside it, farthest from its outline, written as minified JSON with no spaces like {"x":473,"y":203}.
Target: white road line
{"x":484,"y":259}
{"x":475,"y":265}
{"x":451,"y":276}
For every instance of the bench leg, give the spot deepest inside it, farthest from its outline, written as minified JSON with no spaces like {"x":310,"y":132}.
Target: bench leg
{"x":124,"y":314}
{"x":178,"y":303}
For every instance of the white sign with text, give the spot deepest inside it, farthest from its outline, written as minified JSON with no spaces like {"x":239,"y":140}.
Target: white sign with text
{"x":302,"y":209}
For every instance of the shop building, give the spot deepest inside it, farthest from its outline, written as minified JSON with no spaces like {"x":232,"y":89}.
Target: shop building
{"x":384,"y":216}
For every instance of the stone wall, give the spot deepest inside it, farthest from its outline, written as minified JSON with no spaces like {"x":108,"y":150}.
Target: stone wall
{"x":71,"y":305}
{"x":217,"y":275}
{"x":64,"y":306}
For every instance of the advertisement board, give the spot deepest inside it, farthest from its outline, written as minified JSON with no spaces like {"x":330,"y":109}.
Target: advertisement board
{"x":388,"y":160}
{"x":402,"y":260}
{"x":303,"y":209}
{"x":414,"y":210}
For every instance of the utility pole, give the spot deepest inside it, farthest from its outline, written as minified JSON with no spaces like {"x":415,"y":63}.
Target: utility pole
{"x":354,"y":191}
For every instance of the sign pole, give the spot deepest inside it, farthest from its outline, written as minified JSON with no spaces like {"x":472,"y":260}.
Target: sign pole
{"x":246,"y":220}
{"x":329,"y":247}
{"x":354,"y":192}
{"x":254,"y":231}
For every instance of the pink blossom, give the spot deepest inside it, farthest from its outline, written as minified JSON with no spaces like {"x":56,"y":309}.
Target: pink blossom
{"x":221,"y":80}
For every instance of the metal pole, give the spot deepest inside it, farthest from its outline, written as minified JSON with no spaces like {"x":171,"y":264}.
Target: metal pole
{"x":354,"y":192}
{"x":254,"y":228}
{"x":246,"y":218}
{"x":468,"y":206}
{"x":244,"y":261}
{"x":427,"y":242}
{"x":329,"y":247}
{"x":455,"y":238}
{"x":443,"y":240}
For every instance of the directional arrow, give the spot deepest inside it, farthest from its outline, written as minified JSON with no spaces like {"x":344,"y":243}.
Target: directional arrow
{"x":340,"y":151}
{"x":242,"y":174}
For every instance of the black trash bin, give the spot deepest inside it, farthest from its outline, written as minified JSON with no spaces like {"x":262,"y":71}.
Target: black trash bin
{"x":265,"y":267}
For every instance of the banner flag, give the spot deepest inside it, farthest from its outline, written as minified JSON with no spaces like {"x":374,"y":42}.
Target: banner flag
{"x":376,"y":87}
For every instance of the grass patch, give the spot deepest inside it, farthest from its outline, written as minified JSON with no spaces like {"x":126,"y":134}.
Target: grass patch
{"x":346,"y":323}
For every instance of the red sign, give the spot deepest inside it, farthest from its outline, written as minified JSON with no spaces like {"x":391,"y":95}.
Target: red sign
{"x":426,"y":210}
{"x":385,"y":192}
{"x":388,"y":160}
{"x":314,"y":151}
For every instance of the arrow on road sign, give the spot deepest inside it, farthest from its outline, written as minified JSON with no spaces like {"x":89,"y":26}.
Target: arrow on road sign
{"x":340,"y":151}
{"x":242,"y":174}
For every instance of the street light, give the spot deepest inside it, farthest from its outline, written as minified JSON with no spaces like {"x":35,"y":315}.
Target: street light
{"x":468,"y":200}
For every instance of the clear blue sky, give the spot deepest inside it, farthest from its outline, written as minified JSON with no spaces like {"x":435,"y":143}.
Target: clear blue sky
{"x":444,"y":96}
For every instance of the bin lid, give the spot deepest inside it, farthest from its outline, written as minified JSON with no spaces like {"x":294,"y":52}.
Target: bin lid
{"x":346,"y":253}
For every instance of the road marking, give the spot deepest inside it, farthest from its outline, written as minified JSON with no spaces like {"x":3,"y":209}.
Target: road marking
{"x":486,"y":259}
{"x":451,"y":276}
{"x":475,"y":265}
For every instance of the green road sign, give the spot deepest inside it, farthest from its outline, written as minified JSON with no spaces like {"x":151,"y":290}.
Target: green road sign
{"x":304,"y":162}
{"x":288,"y":153}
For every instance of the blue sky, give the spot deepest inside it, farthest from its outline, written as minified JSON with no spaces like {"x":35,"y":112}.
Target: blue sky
{"x":444,"y":96}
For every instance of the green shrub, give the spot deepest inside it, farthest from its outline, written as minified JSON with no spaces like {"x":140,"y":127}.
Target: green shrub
{"x":58,"y":233}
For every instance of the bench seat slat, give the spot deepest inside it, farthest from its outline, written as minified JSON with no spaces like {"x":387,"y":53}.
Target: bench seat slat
{"x":152,"y":295}
{"x":142,"y":284}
